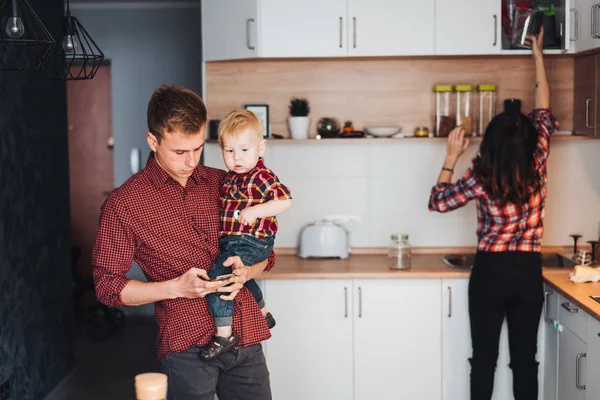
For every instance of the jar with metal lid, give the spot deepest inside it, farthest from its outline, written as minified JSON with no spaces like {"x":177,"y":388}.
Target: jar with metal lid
{"x":464,"y":115}
{"x":445,"y":117}
{"x":487,"y":107}
{"x":399,"y":252}
{"x":421,"y":131}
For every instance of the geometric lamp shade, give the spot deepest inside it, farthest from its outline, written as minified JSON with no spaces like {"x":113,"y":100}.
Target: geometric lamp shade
{"x":74,"y":55}
{"x":24,"y":40}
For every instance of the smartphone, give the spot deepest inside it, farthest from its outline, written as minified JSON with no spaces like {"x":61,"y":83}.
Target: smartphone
{"x":222,"y":277}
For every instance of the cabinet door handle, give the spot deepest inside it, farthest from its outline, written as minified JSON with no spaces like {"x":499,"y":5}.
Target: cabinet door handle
{"x":579,"y":357}
{"x":345,"y":302}
{"x":495,"y":30}
{"x":359,"y":302}
{"x":547,"y":294}
{"x":576,"y":25}
{"x":567,"y":307}
{"x":595,"y":33}
{"x":449,"y":302}
{"x":341,"y":31}
{"x":593,"y":21}
{"x":249,"y":22}
{"x":587,"y":113}
{"x":354,"y":32}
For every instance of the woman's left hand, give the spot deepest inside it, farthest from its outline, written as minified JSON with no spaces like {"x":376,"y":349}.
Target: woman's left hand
{"x":457,"y":143}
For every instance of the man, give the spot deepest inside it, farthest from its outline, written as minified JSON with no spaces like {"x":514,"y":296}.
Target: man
{"x":166,"y":219}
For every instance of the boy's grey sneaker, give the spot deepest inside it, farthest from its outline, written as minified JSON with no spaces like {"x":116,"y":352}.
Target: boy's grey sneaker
{"x":270,"y":320}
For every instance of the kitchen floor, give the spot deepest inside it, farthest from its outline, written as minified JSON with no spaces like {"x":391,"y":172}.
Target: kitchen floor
{"x":106,"y":370}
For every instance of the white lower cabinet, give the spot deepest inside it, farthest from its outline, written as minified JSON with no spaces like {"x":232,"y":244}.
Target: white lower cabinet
{"x":366,"y":339}
{"x":550,"y":346}
{"x":571,"y":367}
{"x":456,"y":339}
{"x":310,"y":353}
{"x":355,"y":340}
{"x":572,"y":351}
{"x":397,"y":339}
{"x":456,"y":347}
{"x":593,"y":360}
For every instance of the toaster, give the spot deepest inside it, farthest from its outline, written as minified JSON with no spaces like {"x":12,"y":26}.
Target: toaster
{"x":323,"y":239}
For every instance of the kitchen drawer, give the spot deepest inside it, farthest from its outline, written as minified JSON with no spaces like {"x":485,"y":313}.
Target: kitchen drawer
{"x":573,"y":317}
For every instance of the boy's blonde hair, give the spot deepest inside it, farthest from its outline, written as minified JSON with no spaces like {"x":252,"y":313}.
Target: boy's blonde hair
{"x":238,"y":121}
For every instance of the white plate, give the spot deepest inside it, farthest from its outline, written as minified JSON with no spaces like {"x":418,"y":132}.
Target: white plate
{"x":383,"y":131}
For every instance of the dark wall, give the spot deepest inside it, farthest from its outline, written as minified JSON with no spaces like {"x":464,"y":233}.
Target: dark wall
{"x":36,"y":350}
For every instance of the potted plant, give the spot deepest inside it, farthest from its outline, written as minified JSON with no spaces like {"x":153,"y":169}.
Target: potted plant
{"x":298,"y":120}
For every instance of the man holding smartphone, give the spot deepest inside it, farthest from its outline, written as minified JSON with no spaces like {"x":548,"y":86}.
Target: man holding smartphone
{"x":166,"y":219}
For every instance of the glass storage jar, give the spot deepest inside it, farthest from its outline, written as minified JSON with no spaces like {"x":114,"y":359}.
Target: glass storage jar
{"x":464,"y":115}
{"x":421,"y":131}
{"x":445,"y":119}
{"x":487,"y":107}
{"x":399,"y":253}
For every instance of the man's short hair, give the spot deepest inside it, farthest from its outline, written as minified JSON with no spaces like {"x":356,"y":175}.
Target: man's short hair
{"x":175,"y":109}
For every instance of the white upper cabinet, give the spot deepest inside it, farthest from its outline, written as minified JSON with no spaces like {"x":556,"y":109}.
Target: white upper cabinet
{"x":584,"y":17}
{"x":237,"y":29}
{"x":229,"y":29}
{"x":307,"y":28}
{"x":466,"y":27}
{"x":391,"y":28}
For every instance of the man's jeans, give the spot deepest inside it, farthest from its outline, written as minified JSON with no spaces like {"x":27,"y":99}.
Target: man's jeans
{"x":239,"y":374}
{"x":251,"y":250}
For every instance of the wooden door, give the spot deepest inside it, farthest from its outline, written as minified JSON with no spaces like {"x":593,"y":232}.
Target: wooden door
{"x":90,"y":158}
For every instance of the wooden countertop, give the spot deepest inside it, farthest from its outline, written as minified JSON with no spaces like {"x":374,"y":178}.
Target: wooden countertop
{"x":577,"y":292}
{"x":371,"y":266}
{"x":374,"y":266}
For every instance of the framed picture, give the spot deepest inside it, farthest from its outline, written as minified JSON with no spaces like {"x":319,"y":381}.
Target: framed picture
{"x":262,"y":112}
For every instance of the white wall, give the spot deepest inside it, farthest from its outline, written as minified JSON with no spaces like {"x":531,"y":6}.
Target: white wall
{"x":387,"y":183}
{"x":147,"y":45}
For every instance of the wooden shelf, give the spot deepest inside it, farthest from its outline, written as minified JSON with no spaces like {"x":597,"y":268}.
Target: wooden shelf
{"x":555,"y":138}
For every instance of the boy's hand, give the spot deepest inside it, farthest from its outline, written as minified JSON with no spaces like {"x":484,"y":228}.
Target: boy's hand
{"x":234,"y":284}
{"x":247,"y":216}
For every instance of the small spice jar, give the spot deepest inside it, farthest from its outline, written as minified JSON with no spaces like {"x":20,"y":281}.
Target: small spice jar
{"x":445,"y":119}
{"x":421,"y":131}
{"x":464,"y":116}
{"x":487,"y":107}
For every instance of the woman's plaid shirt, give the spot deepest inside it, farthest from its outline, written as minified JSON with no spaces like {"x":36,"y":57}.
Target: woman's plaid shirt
{"x":503,"y":227}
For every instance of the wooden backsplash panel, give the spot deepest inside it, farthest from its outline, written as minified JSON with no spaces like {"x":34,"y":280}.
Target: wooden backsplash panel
{"x":377,"y":92}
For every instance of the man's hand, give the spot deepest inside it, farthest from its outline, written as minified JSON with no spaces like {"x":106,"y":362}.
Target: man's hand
{"x":194,"y":284}
{"x":247,"y":216}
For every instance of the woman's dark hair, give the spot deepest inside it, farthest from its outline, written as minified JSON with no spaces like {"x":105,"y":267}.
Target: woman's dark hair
{"x":505,"y":163}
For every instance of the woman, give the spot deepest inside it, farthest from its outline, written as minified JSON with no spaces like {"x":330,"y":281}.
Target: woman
{"x":508,"y":182}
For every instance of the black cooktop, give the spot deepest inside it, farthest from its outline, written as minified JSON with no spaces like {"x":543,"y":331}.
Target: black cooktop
{"x":597,"y":298}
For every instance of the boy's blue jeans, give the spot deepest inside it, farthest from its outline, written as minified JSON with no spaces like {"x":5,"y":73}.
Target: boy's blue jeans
{"x":251,"y":250}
